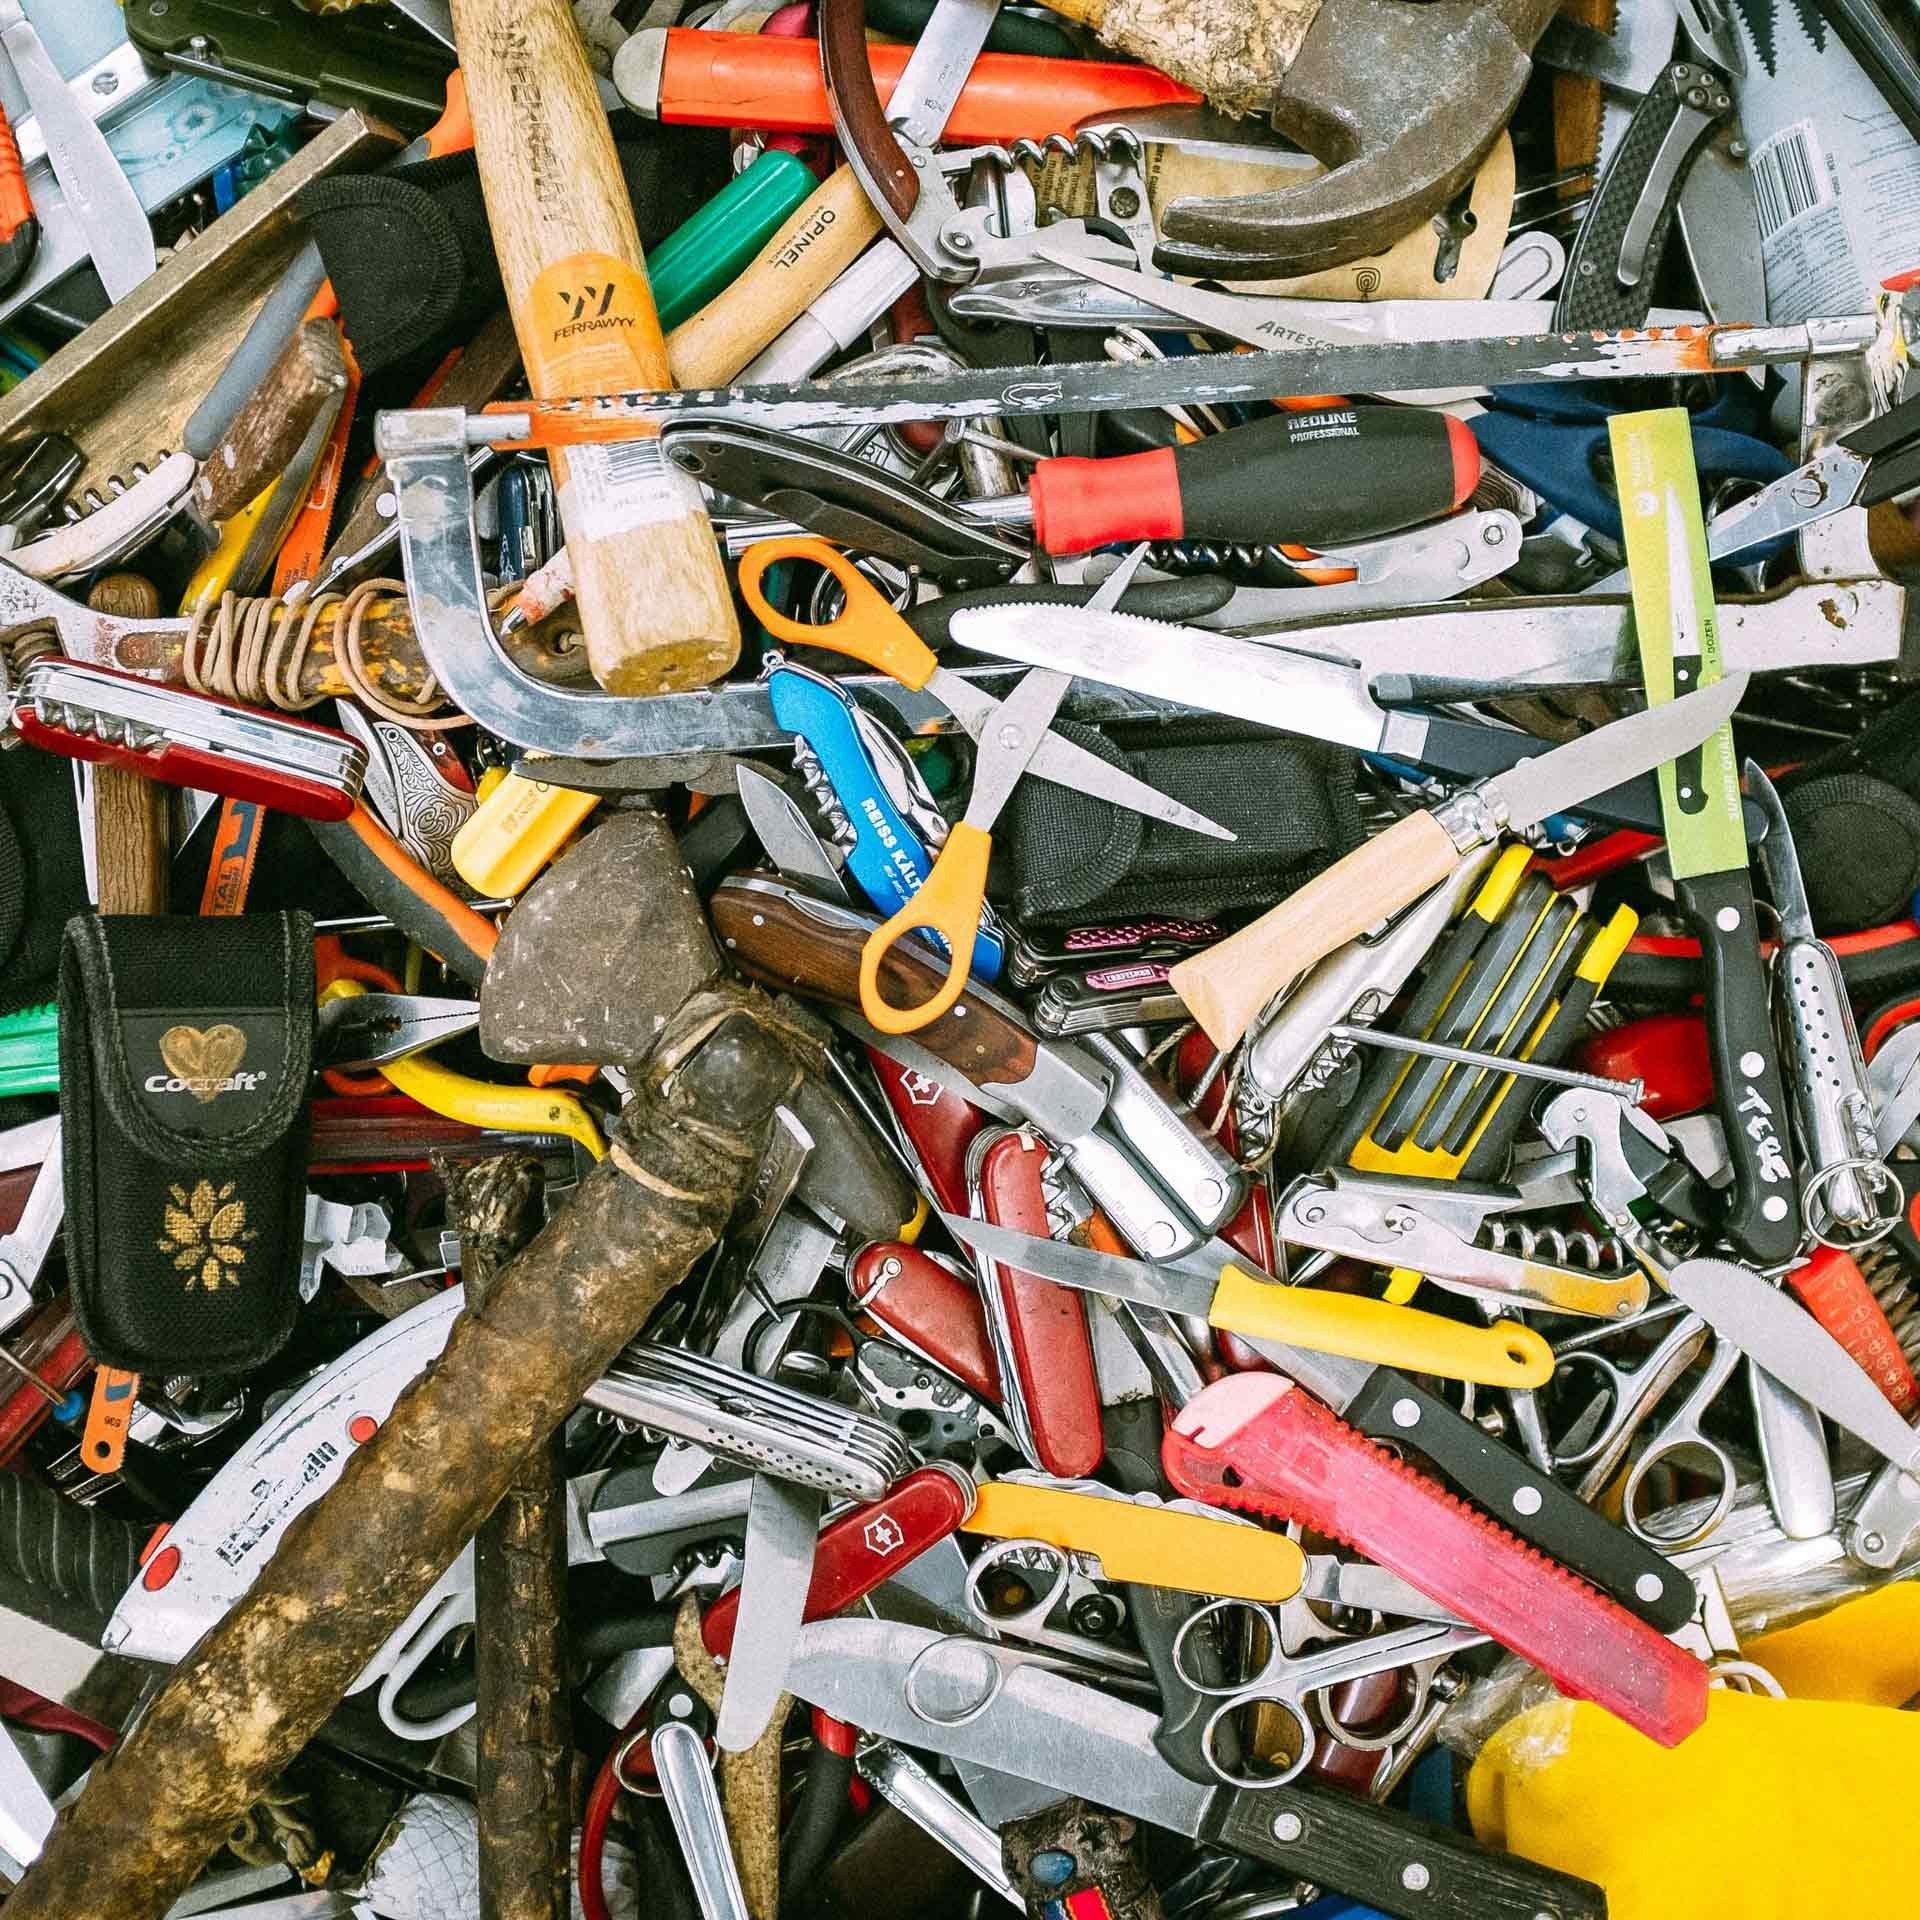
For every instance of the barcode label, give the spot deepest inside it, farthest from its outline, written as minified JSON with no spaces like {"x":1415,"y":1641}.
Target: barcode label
{"x":622,"y":484}
{"x":1789,"y":177}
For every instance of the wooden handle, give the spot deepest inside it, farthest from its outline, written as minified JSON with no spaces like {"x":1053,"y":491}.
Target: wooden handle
{"x":818,"y":241}
{"x":652,"y":588}
{"x":769,"y":935}
{"x":1226,"y":986}
{"x":310,"y":374}
{"x":132,"y":844}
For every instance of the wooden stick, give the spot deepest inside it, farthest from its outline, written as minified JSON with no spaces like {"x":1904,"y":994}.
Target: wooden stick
{"x":525,"y":1723}
{"x":654,"y":600}
{"x":132,"y":846}
{"x":816,"y":243}
{"x":310,"y":375}
{"x":356,"y":1563}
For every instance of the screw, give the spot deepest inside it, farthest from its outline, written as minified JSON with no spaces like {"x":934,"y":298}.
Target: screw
{"x":1415,"y":1878}
{"x":1648,"y":1588}
{"x":158,"y":9}
{"x":104,"y":83}
{"x":1094,"y":1615}
{"x":960,"y":242}
{"x":1494,"y":535}
{"x":1287,"y":1826}
{"x":1874,"y":1542}
{"x":1406,"y":1413}
{"x":1314,"y":1215}
{"x":1125,"y":203}
{"x":1527,"y":1500}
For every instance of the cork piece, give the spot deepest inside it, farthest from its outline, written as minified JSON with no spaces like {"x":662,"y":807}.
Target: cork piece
{"x":1233,"y":51}
{"x":354,"y":1565}
{"x":749,"y":1781}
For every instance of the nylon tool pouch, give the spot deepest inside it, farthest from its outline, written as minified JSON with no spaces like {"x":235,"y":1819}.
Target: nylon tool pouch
{"x":185,"y":1049}
{"x":1063,"y":858}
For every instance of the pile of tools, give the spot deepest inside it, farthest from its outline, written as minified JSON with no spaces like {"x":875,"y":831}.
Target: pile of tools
{"x":957,"y":954}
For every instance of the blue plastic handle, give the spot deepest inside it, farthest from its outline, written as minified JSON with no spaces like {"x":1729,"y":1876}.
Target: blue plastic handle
{"x":888,"y":858}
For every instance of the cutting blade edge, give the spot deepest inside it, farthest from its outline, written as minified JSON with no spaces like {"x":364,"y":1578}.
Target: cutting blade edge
{"x":1557,"y":782}
{"x":1271,"y":686}
{"x":1037,"y":1725}
{"x":1177,"y":1288}
{"x":1779,"y":860}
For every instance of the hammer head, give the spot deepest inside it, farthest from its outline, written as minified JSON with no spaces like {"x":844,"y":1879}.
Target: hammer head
{"x":1401,"y":102}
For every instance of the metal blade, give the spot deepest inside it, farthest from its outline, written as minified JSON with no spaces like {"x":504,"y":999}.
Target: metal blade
{"x":1067,"y":765}
{"x":925,"y":1690}
{"x":1008,"y":741}
{"x":1779,"y":860}
{"x":788,"y":836}
{"x":783,"y":1528}
{"x":1781,"y":1337}
{"x":1558,"y":781}
{"x":26,"y":1813}
{"x":1177,"y":1287}
{"x":114,"y":223}
{"x":937,"y":69}
{"x":1273,"y":686}
{"x":435,"y":16}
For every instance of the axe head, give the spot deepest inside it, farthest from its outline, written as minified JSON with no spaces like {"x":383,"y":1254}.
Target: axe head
{"x":1400,"y":102}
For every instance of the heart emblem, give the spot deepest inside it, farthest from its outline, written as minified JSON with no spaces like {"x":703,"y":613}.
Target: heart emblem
{"x":203,"y":1059}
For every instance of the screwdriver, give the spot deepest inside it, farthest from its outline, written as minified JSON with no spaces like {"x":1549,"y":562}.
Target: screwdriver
{"x":19,"y":227}
{"x":1341,"y":473}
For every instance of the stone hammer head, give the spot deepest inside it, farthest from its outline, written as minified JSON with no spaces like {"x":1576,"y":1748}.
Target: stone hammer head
{"x":1401,"y":102}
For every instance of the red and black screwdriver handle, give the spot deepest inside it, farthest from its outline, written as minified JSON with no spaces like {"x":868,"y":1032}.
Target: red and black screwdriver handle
{"x":19,"y":228}
{"x":1346,"y":473}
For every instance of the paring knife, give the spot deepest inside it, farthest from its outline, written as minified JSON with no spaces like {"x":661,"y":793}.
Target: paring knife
{"x":1226,"y":986}
{"x":1231,"y":1294}
{"x":1675,"y":623}
{"x":787,"y":836}
{"x":1273,"y":686}
{"x":978,"y":1703}
{"x":103,"y":199}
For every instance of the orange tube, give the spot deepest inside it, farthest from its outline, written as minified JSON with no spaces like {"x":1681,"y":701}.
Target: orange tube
{"x":753,"y":80}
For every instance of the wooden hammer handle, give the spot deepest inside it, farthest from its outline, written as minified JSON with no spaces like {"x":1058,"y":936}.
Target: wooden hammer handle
{"x":652,"y":589}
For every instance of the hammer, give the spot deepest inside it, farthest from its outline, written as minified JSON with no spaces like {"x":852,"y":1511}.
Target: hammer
{"x":652,"y":589}
{"x":1400,"y":101}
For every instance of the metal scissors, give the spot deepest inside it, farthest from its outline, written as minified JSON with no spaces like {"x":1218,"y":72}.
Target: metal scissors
{"x":1286,"y":1683}
{"x":1012,"y":736}
{"x":1684,"y":1442}
{"x":1597,"y":1441}
{"x":1064,"y":1575}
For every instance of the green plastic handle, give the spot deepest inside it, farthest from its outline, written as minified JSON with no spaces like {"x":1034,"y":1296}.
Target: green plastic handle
{"x":703,"y":255}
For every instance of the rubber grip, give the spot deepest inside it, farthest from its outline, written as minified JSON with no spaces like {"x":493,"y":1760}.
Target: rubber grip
{"x":1040,"y":1327}
{"x":1258,"y":1444}
{"x":393,"y":883}
{"x":929,"y":1308}
{"x":1319,"y":478}
{"x":864,"y":1547}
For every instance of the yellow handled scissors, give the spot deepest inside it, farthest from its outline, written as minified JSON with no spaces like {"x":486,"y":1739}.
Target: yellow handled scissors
{"x":1013,"y":736}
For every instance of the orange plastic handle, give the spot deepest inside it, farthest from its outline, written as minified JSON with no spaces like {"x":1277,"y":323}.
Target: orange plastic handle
{"x":865,"y":629}
{"x":453,"y":131}
{"x":774,"y":84}
{"x":948,"y":903}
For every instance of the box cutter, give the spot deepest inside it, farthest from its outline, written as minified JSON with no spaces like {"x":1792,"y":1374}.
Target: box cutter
{"x":1257,"y":1444}
{"x":1385,"y":1404}
{"x":1234,"y":1296}
{"x":974,"y":1701}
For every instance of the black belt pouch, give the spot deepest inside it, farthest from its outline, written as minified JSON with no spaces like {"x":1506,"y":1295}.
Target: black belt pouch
{"x":185,"y":1046}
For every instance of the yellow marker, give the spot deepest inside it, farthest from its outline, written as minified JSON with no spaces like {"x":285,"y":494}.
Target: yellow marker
{"x":515,"y":831}
{"x":1190,"y":1552}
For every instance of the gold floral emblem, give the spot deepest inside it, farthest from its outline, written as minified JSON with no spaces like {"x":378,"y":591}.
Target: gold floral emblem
{"x":207,"y":1234}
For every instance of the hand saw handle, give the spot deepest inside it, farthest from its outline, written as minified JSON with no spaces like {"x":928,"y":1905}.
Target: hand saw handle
{"x":1259,"y":1444}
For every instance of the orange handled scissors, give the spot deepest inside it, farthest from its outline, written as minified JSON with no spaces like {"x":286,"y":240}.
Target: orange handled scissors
{"x":1012,"y":736}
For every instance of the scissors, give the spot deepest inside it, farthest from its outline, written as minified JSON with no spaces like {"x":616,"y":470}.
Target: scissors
{"x":1684,"y":1442}
{"x":1066,"y":1577}
{"x":1012,"y":736}
{"x":1628,"y":1394}
{"x":1286,"y":1683}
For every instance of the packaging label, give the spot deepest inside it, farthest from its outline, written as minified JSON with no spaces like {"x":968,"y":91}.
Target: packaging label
{"x":623,"y":484}
{"x":590,"y":327}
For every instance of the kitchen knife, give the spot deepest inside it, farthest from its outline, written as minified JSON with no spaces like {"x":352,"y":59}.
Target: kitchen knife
{"x":972,"y":1701}
{"x":1273,"y":686}
{"x":1226,"y":987}
{"x":1675,"y":623}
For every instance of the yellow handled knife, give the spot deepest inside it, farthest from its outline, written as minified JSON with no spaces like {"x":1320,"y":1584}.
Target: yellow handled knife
{"x":1238,"y":1298}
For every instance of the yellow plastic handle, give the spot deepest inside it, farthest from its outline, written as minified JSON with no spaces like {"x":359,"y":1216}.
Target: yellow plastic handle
{"x":865,"y":629}
{"x":482,"y":1103}
{"x":1188,"y":1552}
{"x":1505,"y":1354}
{"x":949,"y":904}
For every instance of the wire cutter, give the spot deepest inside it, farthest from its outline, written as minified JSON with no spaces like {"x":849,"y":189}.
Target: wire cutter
{"x":1013,"y":736}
